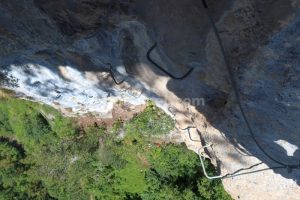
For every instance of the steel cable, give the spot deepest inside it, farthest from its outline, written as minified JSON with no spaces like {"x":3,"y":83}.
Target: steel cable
{"x":112,"y":75}
{"x":237,"y":96}
{"x":161,"y":68}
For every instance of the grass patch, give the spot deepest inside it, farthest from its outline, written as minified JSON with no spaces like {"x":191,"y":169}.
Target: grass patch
{"x":152,"y":122}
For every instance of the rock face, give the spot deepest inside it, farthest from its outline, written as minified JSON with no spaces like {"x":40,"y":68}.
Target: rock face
{"x":55,"y":51}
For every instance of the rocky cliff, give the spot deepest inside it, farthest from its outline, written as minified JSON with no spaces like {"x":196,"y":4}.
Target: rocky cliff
{"x":63,"y":53}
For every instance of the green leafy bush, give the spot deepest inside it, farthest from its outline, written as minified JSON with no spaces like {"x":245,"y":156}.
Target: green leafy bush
{"x":43,"y":155}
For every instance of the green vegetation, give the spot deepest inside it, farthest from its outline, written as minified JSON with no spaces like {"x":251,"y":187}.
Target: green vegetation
{"x":45,"y":156}
{"x":151,"y":122}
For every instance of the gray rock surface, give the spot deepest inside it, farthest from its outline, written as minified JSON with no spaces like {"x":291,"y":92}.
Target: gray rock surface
{"x":261,"y":40}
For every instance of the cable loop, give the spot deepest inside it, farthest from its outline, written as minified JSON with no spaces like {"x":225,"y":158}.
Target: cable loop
{"x":162,"y":69}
